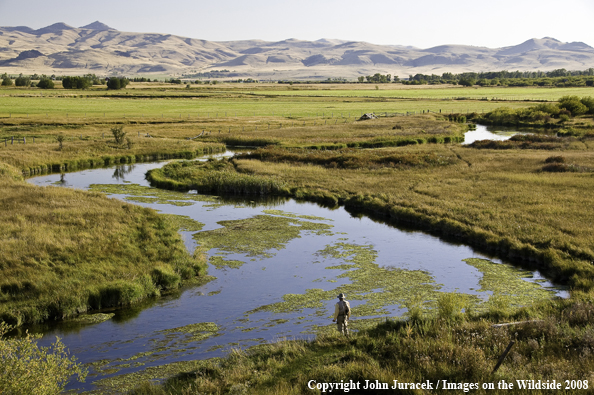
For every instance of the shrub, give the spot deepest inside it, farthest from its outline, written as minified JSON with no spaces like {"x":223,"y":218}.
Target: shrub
{"x":588,"y":101}
{"x":556,"y":167}
{"x":555,"y":159}
{"x":6,"y":81}
{"x":26,"y":368}
{"x":573,"y":104}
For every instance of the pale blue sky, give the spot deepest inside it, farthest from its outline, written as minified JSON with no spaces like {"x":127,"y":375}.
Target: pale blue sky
{"x":422,"y":23}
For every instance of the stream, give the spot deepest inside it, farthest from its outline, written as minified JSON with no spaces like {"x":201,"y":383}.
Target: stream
{"x":283,"y":286}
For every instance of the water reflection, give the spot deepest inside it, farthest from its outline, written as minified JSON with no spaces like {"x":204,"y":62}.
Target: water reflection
{"x":120,"y":171}
{"x":497,"y":133}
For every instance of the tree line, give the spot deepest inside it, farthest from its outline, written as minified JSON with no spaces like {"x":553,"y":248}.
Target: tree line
{"x":559,"y":78}
{"x":68,"y":82}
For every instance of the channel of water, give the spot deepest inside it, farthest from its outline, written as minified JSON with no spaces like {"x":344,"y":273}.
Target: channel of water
{"x":247,"y":303}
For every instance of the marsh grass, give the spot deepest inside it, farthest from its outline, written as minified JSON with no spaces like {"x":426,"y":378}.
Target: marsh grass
{"x":79,"y":154}
{"x":65,"y":252}
{"x":462,"y":350}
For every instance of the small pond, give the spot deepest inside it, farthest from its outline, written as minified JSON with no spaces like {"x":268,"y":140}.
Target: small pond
{"x":278,"y":266}
{"x":483,"y":132}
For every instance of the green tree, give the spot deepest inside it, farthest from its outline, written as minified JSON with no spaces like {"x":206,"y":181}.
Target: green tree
{"x":118,"y":134}
{"x":26,"y":368}
{"x":45,"y":83}
{"x":6,"y":81}
{"x":21,"y":80}
{"x":60,"y":139}
{"x":466,"y":81}
{"x":76,"y":82}
{"x":361,"y":79}
{"x":117,"y":83}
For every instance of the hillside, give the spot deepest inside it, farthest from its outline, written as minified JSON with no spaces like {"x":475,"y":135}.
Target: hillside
{"x":100,"y":49}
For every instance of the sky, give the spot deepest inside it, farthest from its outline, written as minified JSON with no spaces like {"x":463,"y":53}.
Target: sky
{"x":423,"y":23}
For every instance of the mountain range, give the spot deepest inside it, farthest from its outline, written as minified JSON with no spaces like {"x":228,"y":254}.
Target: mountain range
{"x":100,"y":49}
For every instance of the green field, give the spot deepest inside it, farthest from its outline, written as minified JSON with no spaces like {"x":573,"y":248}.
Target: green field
{"x":441,"y":93}
{"x":227,"y":100}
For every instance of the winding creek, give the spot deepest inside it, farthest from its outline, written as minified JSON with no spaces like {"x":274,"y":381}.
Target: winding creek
{"x":278,"y":266}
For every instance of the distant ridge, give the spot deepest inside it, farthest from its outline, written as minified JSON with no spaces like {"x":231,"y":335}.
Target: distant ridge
{"x":101,"y":49}
{"x":97,"y":26}
{"x":55,"y":28}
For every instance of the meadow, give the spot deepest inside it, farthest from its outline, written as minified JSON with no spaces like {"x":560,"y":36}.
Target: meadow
{"x":142,"y":100}
{"x":60,"y":259}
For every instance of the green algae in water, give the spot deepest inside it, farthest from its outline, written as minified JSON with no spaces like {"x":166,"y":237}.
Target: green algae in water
{"x":220,"y":263}
{"x":292,"y":215}
{"x":507,"y":283}
{"x":259,"y":235}
{"x":92,"y":318}
{"x":377,"y":286}
{"x":416,"y":290}
{"x":144,"y":194}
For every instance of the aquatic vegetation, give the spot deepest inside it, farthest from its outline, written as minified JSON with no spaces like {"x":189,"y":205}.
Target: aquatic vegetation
{"x":502,"y":280}
{"x":143,"y":194}
{"x":291,"y":215}
{"x":92,"y":318}
{"x":258,"y":236}
{"x":193,"y":332}
{"x":378,"y":288}
{"x":220,"y":263}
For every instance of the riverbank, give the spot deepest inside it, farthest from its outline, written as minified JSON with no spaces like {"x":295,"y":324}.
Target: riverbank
{"x":67,"y":252}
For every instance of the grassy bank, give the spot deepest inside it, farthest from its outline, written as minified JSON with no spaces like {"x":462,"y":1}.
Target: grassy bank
{"x":66,"y":252}
{"x":80,"y":153}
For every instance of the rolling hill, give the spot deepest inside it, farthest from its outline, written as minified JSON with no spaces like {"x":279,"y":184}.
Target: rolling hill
{"x":100,"y":49}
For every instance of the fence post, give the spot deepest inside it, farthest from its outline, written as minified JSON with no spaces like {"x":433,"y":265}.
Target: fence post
{"x":11,"y":140}
{"x":502,"y":357}
{"x":24,"y":141}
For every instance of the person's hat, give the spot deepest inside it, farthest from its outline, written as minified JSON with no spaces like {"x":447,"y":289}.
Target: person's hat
{"x":341,"y":296}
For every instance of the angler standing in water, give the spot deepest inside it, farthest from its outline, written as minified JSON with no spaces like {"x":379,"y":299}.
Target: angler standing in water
{"x":342,"y":314}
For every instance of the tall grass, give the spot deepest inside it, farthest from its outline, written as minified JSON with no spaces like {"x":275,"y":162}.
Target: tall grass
{"x":65,"y":252}
{"x":213,"y":177}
